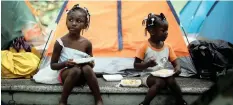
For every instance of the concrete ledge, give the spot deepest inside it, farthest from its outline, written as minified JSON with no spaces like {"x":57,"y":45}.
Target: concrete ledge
{"x":188,"y":85}
{"x":27,"y":92}
{"x":22,"y":98}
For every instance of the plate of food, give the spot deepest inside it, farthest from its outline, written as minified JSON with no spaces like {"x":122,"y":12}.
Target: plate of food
{"x":131,"y":82}
{"x":84,"y":60}
{"x":163,"y":73}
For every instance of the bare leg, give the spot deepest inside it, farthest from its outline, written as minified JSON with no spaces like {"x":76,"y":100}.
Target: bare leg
{"x":155,"y":84}
{"x":92,"y":83}
{"x":70,"y":78}
{"x":172,"y":84}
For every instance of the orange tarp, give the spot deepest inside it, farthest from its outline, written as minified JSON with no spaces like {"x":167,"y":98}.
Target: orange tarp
{"x":133,"y":32}
{"x":103,"y":30}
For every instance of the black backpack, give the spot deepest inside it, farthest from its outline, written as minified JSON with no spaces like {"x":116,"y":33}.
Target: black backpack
{"x":211,"y":58}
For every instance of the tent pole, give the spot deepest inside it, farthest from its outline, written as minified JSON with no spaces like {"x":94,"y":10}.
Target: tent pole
{"x":56,"y":22}
{"x":119,"y":23}
{"x":185,"y":34}
{"x":173,"y":11}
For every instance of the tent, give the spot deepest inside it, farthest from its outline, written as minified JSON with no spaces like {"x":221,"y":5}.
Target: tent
{"x":193,"y":14}
{"x":121,"y":29}
{"x":208,"y":19}
{"x":219,"y":23}
{"x":13,"y":20}
{"x":116,"y":31}
{"x":178,"y":5}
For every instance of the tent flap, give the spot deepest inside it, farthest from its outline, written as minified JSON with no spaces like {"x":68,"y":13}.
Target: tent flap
{"x":121,"y":30}
{"x":12,"y":21}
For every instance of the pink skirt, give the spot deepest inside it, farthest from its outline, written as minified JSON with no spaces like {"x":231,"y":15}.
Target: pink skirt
{"x":81,"y":82}
{"x":59,"y":76}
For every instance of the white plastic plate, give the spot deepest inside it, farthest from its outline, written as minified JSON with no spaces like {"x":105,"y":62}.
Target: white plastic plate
{"x":116,"y":77}
{"x":84,"y":60}
{"x":163,"y":73}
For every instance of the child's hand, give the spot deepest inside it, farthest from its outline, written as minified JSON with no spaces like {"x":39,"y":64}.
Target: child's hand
{"x":70,"y":63}
{"x":177,"y":72}
{"x":151,"y":63}
{"x":92,"y":64}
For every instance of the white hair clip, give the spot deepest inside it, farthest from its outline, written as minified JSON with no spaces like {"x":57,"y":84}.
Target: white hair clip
{"x":152,"y":19}
{"x":77,"y":5}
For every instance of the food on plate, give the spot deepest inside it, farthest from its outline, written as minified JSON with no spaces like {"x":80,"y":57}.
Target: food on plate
{"x":131,"y":82}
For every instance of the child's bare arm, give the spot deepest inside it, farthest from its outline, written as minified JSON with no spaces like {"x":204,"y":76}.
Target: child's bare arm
{"x":174,"y":61}
{"x":176,"y":66}
{"x":55,"y":57}
{"x":138,"y":64}
{"x":89,"y":52}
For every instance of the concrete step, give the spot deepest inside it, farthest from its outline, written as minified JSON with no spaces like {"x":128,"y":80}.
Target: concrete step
{"x":27,"y":92}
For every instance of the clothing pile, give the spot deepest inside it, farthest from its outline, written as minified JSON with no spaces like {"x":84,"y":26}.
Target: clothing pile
{"x":20,"y":61}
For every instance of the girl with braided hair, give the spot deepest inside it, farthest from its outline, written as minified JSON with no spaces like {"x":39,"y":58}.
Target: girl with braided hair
{"x":72,"y":46}
{"x":154,"y":54}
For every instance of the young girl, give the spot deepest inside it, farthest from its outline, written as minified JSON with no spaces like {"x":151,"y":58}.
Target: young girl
{"x":73,"y":46}
{"x":154,"y":54}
